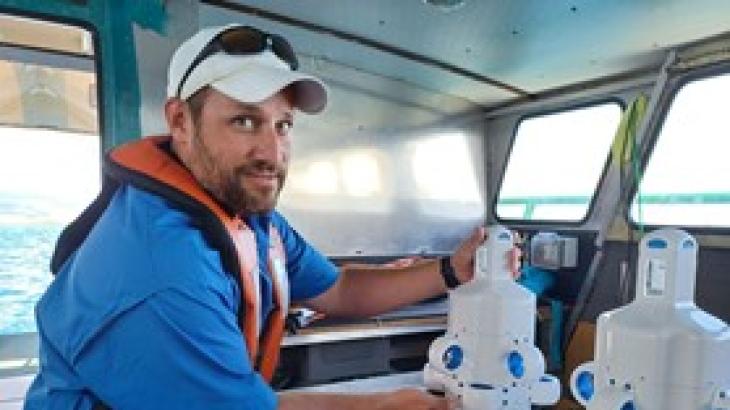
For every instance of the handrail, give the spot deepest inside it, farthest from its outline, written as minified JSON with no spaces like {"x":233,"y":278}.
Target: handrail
{"x":531,"y":202}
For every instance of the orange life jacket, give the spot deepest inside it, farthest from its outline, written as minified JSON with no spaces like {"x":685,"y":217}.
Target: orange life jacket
{"x":146,"y":165}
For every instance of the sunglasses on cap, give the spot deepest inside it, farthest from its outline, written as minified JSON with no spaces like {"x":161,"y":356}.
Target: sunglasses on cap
{"x":243,"y":40}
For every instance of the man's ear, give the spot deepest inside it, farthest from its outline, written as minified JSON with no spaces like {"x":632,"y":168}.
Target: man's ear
{"x":179,"y":120}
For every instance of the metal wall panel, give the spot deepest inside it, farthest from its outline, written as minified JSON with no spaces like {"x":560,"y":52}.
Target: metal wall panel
{"x":387,"y":192}
{"x":389,"y":168}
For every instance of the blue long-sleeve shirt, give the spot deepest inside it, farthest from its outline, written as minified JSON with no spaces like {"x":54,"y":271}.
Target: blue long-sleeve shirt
{"x":144,"y":315}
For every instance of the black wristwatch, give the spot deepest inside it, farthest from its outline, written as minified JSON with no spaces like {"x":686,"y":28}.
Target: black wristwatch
{"x":448,"y":273}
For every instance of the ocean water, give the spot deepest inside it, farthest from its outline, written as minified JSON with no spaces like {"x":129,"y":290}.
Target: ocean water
{"x":47,"y":177}
{"x":29,"y":228}
{"x":25,"y":252}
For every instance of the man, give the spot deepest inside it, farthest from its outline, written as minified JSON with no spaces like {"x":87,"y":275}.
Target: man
{"x":172,"y":287}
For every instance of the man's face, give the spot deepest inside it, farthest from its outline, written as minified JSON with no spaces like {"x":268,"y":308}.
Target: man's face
{"x":240,"y":152}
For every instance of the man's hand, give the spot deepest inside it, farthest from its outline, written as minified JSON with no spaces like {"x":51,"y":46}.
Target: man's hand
{"x":463,"y":258}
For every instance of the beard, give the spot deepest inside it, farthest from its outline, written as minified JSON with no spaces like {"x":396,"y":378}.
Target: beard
{"x":244,"y":201}
{"x":227,"y":186}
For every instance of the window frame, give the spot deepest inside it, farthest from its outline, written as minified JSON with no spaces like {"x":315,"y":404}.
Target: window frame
{"x":594,"y":196}
{"x":96,"y":57}
{"x":21,"y":343}
{"x":675,"y":85}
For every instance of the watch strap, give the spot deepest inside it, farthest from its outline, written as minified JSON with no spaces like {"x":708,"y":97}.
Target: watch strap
{"x":448,"y":273}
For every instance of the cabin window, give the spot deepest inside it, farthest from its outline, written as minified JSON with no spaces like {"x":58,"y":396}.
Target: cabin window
{"x":686,"y":178}
{"x":556,"y":163}
{"x":49,"y":156}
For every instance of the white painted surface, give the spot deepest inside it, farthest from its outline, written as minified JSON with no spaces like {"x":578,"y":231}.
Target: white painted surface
{"x":12,"y":391}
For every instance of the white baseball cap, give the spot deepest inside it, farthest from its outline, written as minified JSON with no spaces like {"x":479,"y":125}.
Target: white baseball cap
{"x":249,"y":78}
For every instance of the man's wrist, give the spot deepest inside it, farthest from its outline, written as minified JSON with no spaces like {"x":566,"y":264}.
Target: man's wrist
{"x":448,"y":273}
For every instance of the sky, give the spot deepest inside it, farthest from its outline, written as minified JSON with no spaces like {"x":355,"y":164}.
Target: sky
{"x":60,"y":167}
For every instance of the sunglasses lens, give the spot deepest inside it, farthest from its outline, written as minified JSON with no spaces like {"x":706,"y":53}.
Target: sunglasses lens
{"x":246,"y":40}
{"x":282,"y":49}
{"x":243,"y":41}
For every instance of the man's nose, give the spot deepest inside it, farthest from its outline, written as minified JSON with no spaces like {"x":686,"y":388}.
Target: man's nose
{"x":271,"y":146}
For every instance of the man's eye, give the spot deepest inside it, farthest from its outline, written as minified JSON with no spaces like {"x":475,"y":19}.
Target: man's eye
{"x":245,"y":122}
{"x":284,"y":127}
